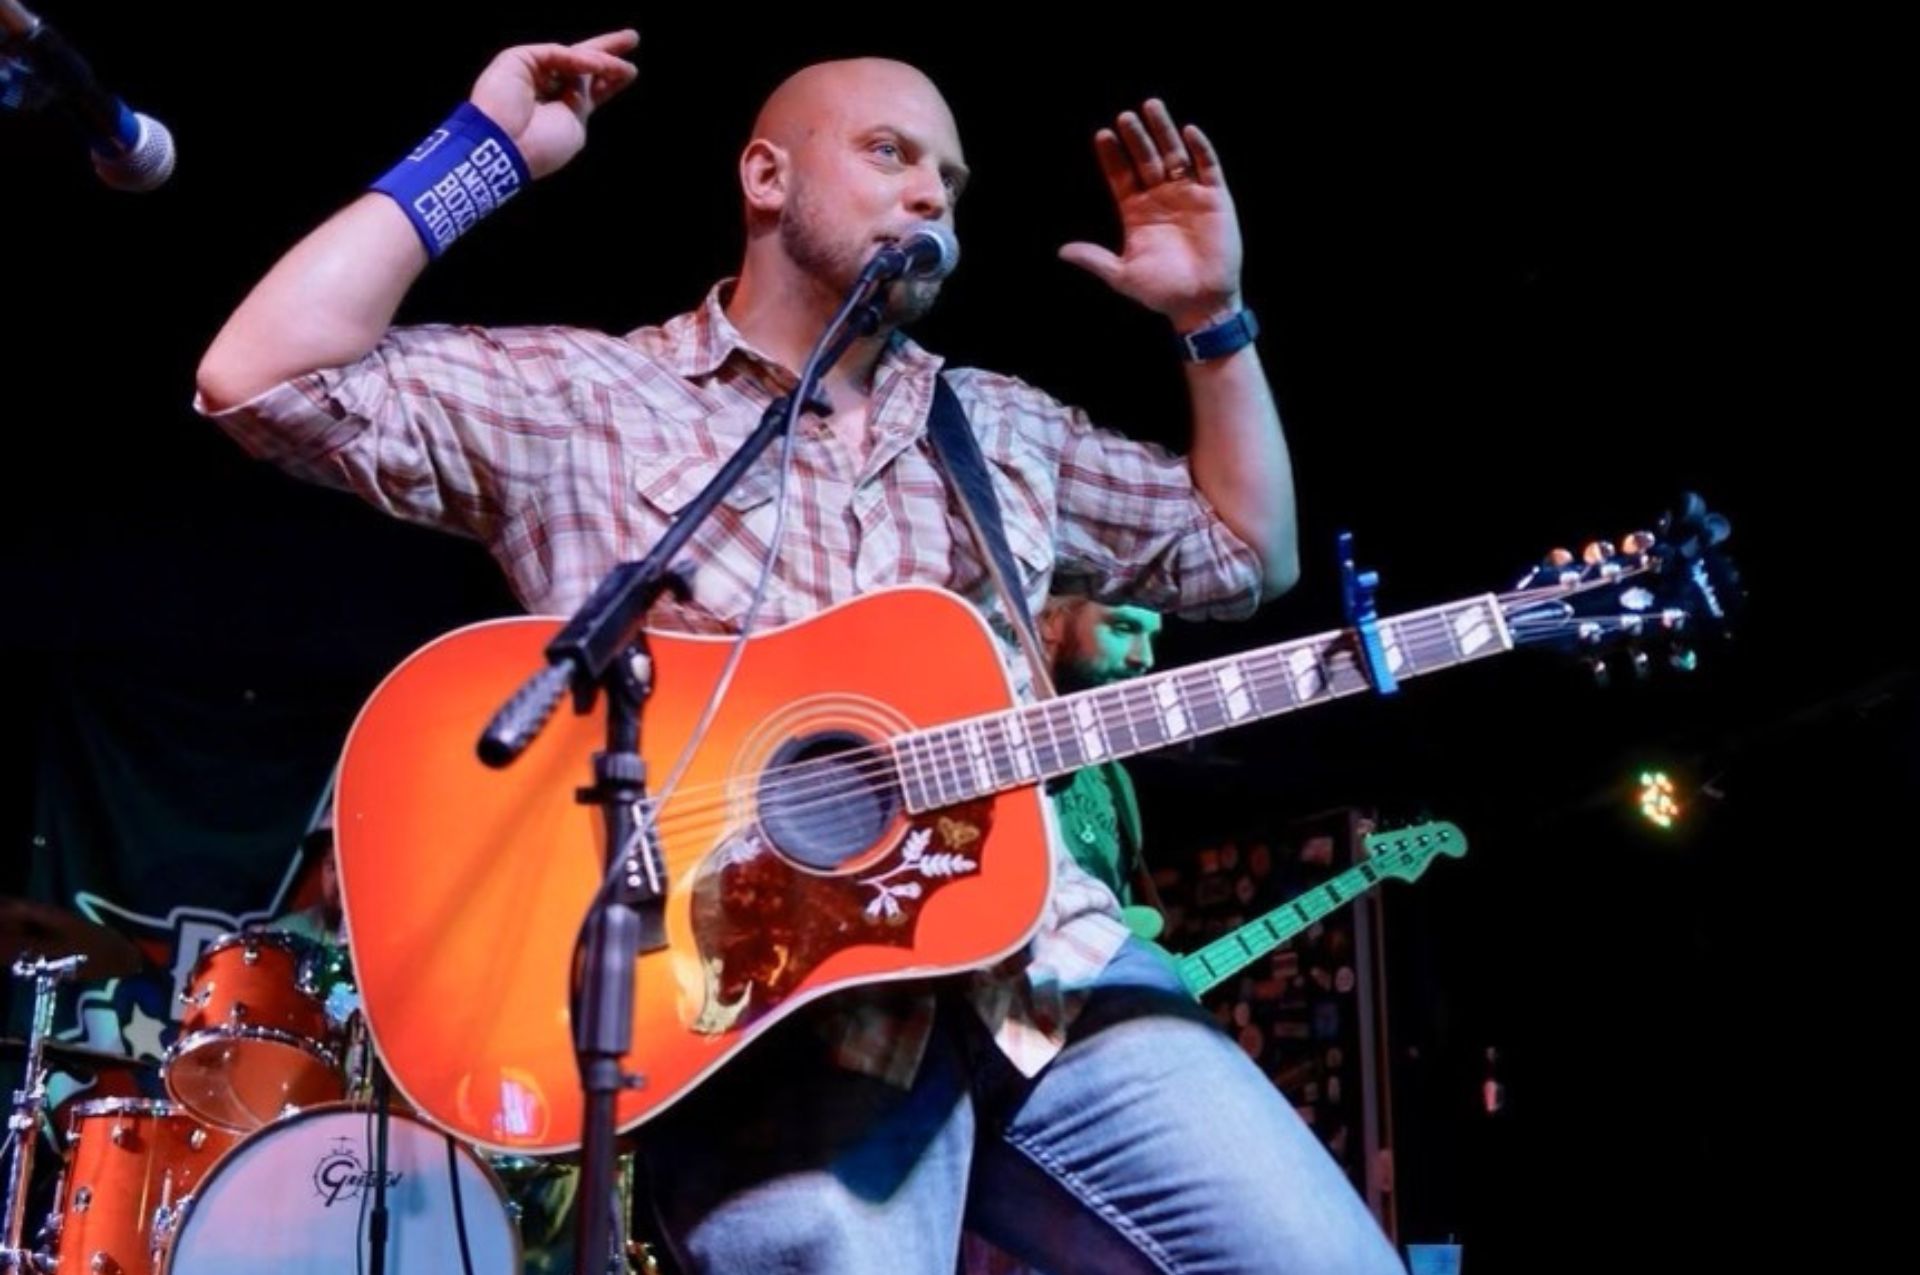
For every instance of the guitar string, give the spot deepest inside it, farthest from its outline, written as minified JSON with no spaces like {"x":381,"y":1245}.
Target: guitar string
{"x":819,"y":785}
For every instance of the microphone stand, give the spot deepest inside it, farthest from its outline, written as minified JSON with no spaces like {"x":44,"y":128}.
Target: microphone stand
{"x":603,"y":649}
{"x":377,"y":1216}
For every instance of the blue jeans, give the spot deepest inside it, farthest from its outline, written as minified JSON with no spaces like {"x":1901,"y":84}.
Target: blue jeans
{"x":1151,"y":1144}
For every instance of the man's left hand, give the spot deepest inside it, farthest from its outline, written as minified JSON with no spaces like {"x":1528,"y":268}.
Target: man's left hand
{"x":1180,"y":247}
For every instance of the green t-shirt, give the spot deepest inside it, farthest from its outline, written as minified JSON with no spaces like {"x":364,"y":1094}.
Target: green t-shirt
{"x":1100,"y":819}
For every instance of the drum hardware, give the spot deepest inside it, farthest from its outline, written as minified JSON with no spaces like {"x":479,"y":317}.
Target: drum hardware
{"x":30,"y":1100}
{"x":134,"y":1168}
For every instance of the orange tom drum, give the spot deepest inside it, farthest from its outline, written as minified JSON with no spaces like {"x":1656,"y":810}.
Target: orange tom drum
{"x":256,"y":1040}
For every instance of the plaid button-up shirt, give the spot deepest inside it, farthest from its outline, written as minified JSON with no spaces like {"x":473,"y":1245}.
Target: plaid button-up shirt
{"x":566,"y":452}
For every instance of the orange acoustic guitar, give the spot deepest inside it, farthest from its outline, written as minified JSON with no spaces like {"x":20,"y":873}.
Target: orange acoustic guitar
{"x":865,"y":807}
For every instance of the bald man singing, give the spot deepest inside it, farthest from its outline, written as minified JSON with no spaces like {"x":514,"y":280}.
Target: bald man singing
{"x":1072,"y":1104}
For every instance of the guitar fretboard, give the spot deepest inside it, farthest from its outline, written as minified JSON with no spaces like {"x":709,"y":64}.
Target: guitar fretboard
{"x":974,"y":758}
{"x":1228,"y":955}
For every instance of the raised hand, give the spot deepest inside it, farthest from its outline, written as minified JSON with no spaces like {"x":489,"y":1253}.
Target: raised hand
{"x":542,"y":94}
{"x":1180,"y":236}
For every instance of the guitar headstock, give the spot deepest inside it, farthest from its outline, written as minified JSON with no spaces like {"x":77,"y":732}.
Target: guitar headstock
{"x":1406,"y":852}
{"x":1654,"y":594}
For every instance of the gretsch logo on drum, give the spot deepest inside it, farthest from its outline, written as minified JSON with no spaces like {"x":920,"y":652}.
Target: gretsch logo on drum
{"x":341,"y":1175}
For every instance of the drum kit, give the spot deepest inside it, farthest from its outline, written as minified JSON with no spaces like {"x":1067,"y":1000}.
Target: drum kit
{"x":277,"y":1147}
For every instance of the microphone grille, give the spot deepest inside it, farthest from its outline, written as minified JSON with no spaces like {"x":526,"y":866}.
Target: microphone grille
{"x":142,"y":166}
{"x":940,"y":236}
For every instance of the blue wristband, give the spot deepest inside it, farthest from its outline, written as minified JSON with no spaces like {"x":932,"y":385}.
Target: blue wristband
{"x":464,"y":170}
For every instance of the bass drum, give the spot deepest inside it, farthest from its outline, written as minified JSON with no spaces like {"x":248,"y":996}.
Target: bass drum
{"x":296,"y":1198}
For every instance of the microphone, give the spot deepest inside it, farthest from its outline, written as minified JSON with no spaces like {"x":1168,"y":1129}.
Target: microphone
{"x":928,"y":251}
{"x":131,"y":151}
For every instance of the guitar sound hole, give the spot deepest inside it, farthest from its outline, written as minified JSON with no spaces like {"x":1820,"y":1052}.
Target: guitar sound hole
{"x":826,"y":797}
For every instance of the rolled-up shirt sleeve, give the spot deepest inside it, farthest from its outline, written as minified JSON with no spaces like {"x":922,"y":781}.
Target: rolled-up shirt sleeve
{"x":1127,"y":522}
{"x":449,"y":427}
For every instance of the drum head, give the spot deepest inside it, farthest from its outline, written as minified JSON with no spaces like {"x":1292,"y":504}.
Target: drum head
{"x":245,"y":1078}
{"x":296,"y":1197}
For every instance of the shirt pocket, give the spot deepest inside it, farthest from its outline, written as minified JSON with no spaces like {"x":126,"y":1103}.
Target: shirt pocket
{"x":723,"y":560}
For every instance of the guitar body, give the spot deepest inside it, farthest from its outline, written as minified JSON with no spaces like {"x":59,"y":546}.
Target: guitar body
{"x":795,"y":867}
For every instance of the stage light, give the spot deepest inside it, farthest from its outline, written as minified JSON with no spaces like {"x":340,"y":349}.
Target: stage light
{"x":1658,"y":804}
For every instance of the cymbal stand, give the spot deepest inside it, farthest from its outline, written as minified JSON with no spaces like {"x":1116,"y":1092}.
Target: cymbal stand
{"x":30,"y":1102}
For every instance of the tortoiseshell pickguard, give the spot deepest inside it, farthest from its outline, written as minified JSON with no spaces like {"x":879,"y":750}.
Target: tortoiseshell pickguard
{"x":762,"y":924}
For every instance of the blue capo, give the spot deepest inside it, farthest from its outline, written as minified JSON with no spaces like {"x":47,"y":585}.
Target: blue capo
{"x":1356,"y":591}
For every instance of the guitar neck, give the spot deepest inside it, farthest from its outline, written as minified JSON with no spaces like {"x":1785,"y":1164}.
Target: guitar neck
{"x":1227,"y":955}
{"x":980,"y":756}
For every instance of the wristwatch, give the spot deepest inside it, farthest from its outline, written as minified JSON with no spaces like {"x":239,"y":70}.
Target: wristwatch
{"x":1223,"y":338}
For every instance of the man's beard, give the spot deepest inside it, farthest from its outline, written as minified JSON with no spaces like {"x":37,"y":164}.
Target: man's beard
{"x":837,"y":266}
{"x":1084,"y":675}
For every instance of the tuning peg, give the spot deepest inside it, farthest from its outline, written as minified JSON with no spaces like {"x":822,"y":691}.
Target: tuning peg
{"x":1602,"y":673}
{"x":1683,"y":659}
{"x":1638,"y":542}
{"x":1642,"y":667}
{"x":1597,"y":552}
{"x":1560,"y":568}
